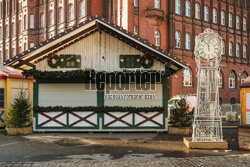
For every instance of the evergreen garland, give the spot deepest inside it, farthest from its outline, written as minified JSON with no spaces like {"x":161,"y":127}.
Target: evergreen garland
{"x":85,"y":75}
{"x":38,"y":109}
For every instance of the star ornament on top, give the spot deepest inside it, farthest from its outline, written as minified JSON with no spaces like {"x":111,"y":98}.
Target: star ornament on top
{"x":208,"y":45}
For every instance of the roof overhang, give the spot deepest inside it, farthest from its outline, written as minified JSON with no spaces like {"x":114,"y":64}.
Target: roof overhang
{"x":28,"y":59}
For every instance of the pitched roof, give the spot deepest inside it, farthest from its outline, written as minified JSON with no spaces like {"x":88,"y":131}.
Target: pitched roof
{"x":28,"y":59}
{"x":8,"y":73}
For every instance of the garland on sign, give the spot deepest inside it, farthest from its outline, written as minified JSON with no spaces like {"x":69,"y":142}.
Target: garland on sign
{"x":98,"y":109}
{"x":86,"y":75}
{"x":53,"y":61}
{"x":147,"y":61}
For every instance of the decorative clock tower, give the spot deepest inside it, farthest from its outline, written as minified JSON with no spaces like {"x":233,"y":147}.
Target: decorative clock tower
{"x":207,"y":117}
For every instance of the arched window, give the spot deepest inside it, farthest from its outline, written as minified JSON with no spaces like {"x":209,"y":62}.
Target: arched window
{"x":42,"y":20}
{"x":61,"y":19}
{"x":244,"y":51}
{"x":32,"y":21}
{"x":82,"y":8}
{"x":178,"y":7}
{"x":223,"y":48}
{"x":178,"y":39}
{"x":187,"y":41}
{"x":231,"y":80}
{"x":24,"y":22}
{"x":214,"y":16}
{"x":71,"y":12}
{"x":157,"y":38}
{"x":243,"y":77}
{"x":230,"y":20}
{"x":51,"y":18}
{"x":206,"y":13}
{"x":7,"y":54}
{"x":237,"y":22}
{"x":13,"y":52}
{"x":197,"y":11}
{"x":187,"y":8}
{"x":7,"y":31}
{"x":222,"y":19}
{"x":187,"y":78}
{"x":20,"y":26}
{"x":244,"y":24}
{"x":232,"y":100}
{"x":136,"y":4}
{"x":230,"y":49}
{"x":237,"y":50}
{"x":157,"y":4}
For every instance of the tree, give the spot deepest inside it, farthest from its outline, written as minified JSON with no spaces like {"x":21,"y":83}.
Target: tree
{"x":19,"y":114}
{"x":180,"y":116}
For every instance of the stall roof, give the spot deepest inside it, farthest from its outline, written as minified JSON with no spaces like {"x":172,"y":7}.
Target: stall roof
{"x":9,"y":73}
{"x":27,"y":59}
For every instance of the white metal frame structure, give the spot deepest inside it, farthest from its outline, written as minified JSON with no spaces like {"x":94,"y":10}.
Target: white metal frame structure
{"x":207,"y":117}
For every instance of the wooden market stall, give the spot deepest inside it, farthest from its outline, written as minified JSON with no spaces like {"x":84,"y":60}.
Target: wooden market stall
{"x":97,"y":76}
{"x":245,"y":102}
{"x":11,"y":83}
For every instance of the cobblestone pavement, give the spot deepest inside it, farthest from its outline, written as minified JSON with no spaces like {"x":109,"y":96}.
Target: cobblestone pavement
{"x":143,"y":161}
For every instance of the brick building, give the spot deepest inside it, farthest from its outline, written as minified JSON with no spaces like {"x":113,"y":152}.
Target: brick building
{"x":171,"y":25}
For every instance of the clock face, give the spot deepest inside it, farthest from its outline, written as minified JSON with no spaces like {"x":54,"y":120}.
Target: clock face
{"x":209,"y":49}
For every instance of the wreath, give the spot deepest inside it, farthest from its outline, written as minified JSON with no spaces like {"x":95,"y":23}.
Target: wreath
{"x":53,"y":61}
{"x":147,"y":61}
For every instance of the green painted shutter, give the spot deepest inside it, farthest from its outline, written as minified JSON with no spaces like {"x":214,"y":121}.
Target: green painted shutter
{"x":62,"y":61}
{"x":78,"y":61}
{"x":137,"y":61}
{"x":122,"y":63}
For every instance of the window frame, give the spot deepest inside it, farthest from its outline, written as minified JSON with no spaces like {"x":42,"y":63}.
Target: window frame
{"x":178,"y":7}
{"x":232,"y":79}
{"x":82,"y":9}
{"x":206,"y":13}
{"x":189,"y":79}
{"x":157,"y":37}
{"x":177,"y":39}
{"x":197,"y":11}
{"x":237,"y":50}
{"x":187,"y":8}
{"x":230,"y":49}
{"x":237,"y":22}
{"x":242,"y":80}
{"x":32,"y":21}
{"x":244,"y":51}
{"x":51,"y":18}
{"x":187,"y":41}
{"x":157,"y":4}
{"x":71,"y":12}
{"x":230,"y":20}
{"x":42,"y":20}
{"x":215,"y":18}
{"x":244,"y":24}
{"x":61,"y":15}
{"x":223,"y":19}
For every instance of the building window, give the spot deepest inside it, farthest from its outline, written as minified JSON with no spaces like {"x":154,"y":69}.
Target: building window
{"x":32,"y":21}
{"x":51,"y":18}
{"x":61,"y":15}
{"x":42,"y":20}
{"x":157,"y":4}
{"x":243,"y":77}
{"x":223,"y":48}
{"x":7,"y":31}
{"x":188,"y":41}
{"x":178,"y":39}
{"x":244,"y":51}
{"x":214,"y":16}
{"x":20,"y":26}
{"x":230,"y":49}
{"x":13,"y":52}
{"x":188,"y":8}
{"x":197,"y":11}
{"x":187,"y":78}
{"x":13,"y":29}
{"x":237,"y":50}
{"x":244,"y":24}
{"x":82,"y":9}
{"x":231,"y":80}
{"x":206,"y":13}
{"x":136,"y":30}
{"x":157,"y":38}
{"x":222,"y":20}
{"x":31,"y":45}
{"x":230,"y":20}
{"x":178,"y":7}
{"x":24,"y":22}
{"x":237,"y":22}
{"x":71,"y":12}
{"x":7,"y":55}
{"x":136,"y":4}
